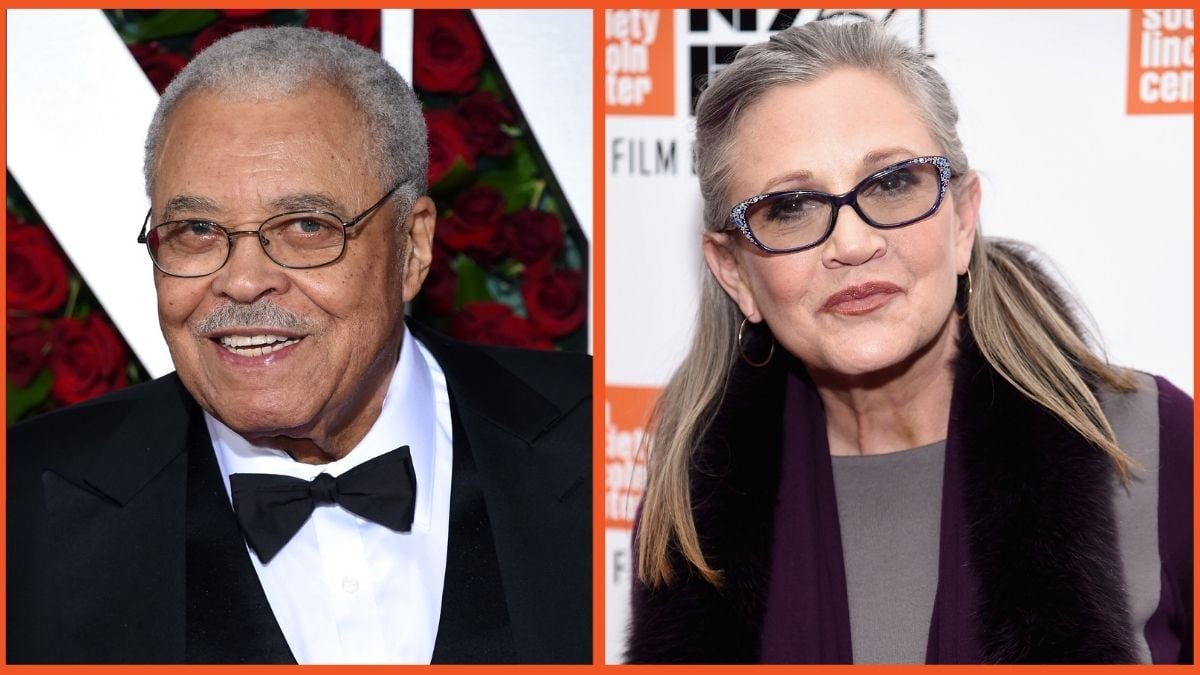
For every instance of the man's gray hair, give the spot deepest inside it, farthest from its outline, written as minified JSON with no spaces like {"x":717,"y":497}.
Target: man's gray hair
{"x":269,"y":63}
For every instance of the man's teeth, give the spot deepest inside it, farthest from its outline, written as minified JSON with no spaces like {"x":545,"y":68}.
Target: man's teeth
{"x":257,"y":345}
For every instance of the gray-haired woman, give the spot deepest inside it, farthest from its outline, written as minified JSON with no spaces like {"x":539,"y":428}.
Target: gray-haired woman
{"x":908,"y":451}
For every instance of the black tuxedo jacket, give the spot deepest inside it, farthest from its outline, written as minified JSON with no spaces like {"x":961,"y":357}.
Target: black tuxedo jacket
{"x":122,"y":546}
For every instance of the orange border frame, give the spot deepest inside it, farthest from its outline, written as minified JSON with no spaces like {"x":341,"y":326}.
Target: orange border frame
{"x":598,"y":335}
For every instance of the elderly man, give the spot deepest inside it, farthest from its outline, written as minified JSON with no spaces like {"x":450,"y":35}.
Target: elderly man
{"x":317,"y":482}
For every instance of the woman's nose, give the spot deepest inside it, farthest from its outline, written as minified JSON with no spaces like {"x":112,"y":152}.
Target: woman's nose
{"x":853,"y":241}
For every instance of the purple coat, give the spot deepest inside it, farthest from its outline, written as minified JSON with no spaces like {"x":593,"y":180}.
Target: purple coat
{"x":1029,"y":569}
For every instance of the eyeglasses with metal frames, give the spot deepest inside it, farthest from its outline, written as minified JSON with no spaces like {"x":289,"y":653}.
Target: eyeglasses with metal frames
{"x":196,"y":247}
{"x":796,"y":220}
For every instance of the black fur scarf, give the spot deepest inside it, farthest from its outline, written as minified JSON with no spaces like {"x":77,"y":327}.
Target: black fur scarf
{"x":1037,"y":511}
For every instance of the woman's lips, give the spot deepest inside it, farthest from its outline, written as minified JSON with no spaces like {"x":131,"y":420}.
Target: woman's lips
{"x":861,"y":299}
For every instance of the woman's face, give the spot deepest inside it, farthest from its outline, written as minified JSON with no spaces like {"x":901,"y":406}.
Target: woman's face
{"x":866,"y":299}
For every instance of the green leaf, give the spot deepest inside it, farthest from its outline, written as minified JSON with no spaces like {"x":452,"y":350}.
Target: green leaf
{"x":526,"y":165}
{"x":472,"y":282}
{"x":550,"y":205}
{"x":171,"y":22}
{"x":457,"y":177}
{"x":517,"y":179}
{"x":489,"y":83}
{"x":21,"y":401}
{"x":507,"y":292}
{"x":517,"y":191}
{"x":571,"y":258}
{"x":509,"y":268}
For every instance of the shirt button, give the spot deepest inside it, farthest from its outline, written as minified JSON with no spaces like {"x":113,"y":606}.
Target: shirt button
{"x":349,"y":584}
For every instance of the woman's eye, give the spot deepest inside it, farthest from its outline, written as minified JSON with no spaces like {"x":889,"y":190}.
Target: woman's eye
{"x":792,"y":208}
{"x":896,"y":181}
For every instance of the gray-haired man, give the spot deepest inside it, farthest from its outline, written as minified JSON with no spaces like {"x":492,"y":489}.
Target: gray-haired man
{"x":396,"y":497}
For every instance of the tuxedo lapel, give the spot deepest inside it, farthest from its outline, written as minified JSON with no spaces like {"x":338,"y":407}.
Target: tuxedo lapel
{"x":534,"y":494}
{"x":474,"y":625}
{"x":115,"y":544}
{"x":144,"y":538}
{"x":228,"y":617}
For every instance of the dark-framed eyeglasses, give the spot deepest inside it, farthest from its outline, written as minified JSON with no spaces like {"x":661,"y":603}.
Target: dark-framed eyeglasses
{"x":796,"y":220}
{"x":197,"y":247}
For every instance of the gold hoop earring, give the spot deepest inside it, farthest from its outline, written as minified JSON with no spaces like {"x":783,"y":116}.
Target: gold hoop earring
{"x":967,"y":303}
{"x":742,"y":348}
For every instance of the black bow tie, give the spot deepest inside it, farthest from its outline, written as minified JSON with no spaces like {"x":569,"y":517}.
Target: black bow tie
{"x":272,"y":508}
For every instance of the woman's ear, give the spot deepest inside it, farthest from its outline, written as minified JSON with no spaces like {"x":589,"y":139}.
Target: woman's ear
{"x":721,"y":256}
{"x":966,"y":210}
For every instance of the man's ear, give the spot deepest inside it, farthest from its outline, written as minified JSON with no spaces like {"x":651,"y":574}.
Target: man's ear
{"x":422,"y":219}
{"x":722,"y":261}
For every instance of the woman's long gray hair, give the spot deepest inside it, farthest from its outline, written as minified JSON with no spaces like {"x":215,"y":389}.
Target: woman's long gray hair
{"x":1020,"y":318}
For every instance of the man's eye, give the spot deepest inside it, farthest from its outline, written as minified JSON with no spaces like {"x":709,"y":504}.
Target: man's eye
{"x":305,"y":231}
{"x":308,"y":225}
{"x":200,"y":228}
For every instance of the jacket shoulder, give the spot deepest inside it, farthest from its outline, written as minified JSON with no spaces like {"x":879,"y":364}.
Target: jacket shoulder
{"x":562,"y":378}
{"x":63,"y":437}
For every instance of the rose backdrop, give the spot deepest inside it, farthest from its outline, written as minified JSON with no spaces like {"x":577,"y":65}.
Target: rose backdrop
{"x":509,"y":257}
{"x":61,"y":347}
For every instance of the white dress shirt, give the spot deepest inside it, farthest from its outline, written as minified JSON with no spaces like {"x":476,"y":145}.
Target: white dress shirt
{"x":344,"y":589}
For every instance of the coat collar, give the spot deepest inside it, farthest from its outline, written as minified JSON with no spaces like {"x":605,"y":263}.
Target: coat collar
{"x":146,"y":440}
{"x":486,"y":389}
{"x":1029,"y":500}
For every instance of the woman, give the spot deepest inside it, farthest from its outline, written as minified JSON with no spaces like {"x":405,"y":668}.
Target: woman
{"x":890,"y":440}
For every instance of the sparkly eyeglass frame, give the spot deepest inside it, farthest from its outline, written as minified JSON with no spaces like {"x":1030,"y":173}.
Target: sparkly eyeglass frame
{"x":737,"y":215}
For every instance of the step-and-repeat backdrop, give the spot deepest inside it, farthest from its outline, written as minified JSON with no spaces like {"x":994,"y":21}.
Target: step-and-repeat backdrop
{"x":1079,"y":122}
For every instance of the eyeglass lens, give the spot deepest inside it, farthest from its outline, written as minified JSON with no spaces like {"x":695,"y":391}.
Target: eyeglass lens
{"x":197,"y":248}
{"x":797,"y":219}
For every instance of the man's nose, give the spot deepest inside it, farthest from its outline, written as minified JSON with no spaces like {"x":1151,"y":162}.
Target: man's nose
{"x":249,"y":273}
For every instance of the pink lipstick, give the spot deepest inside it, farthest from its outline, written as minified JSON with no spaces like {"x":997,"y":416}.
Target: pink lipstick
{"x":861,"y":299}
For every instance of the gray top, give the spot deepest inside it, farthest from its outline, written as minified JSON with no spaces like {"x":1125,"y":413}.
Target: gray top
{"x":889,"y":507}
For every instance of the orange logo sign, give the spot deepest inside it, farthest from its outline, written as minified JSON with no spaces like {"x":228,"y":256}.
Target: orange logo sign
{"x":1161,"y":61}
{"x":639,"y":62}
{"x":626,"y":413}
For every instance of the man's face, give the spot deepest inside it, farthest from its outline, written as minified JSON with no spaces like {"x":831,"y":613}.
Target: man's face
{"x":331,"y":333}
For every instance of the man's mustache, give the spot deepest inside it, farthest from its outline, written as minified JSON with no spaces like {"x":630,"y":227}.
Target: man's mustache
{"x":259,"y":314}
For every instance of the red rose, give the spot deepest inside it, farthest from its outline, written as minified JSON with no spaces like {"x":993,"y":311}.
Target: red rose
{"x":494,"y":323}
{"x":441,"y":284}
{"x":459,"y":234}
{"x":158,"y":64}
{"x":37,"y":272}
{"x":447,"y":52}
{"x":533,"y":235}
{"x":28,"y":342}
{"x":226,"y":26}
{"x":87,"y":359}
{"x":480,"y":203}
{"x":483,"y":113}
{"x":446,"y":143}
{"x":475,"y":227}
{"x":554,"y":299}
{"x":360,"y":25}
